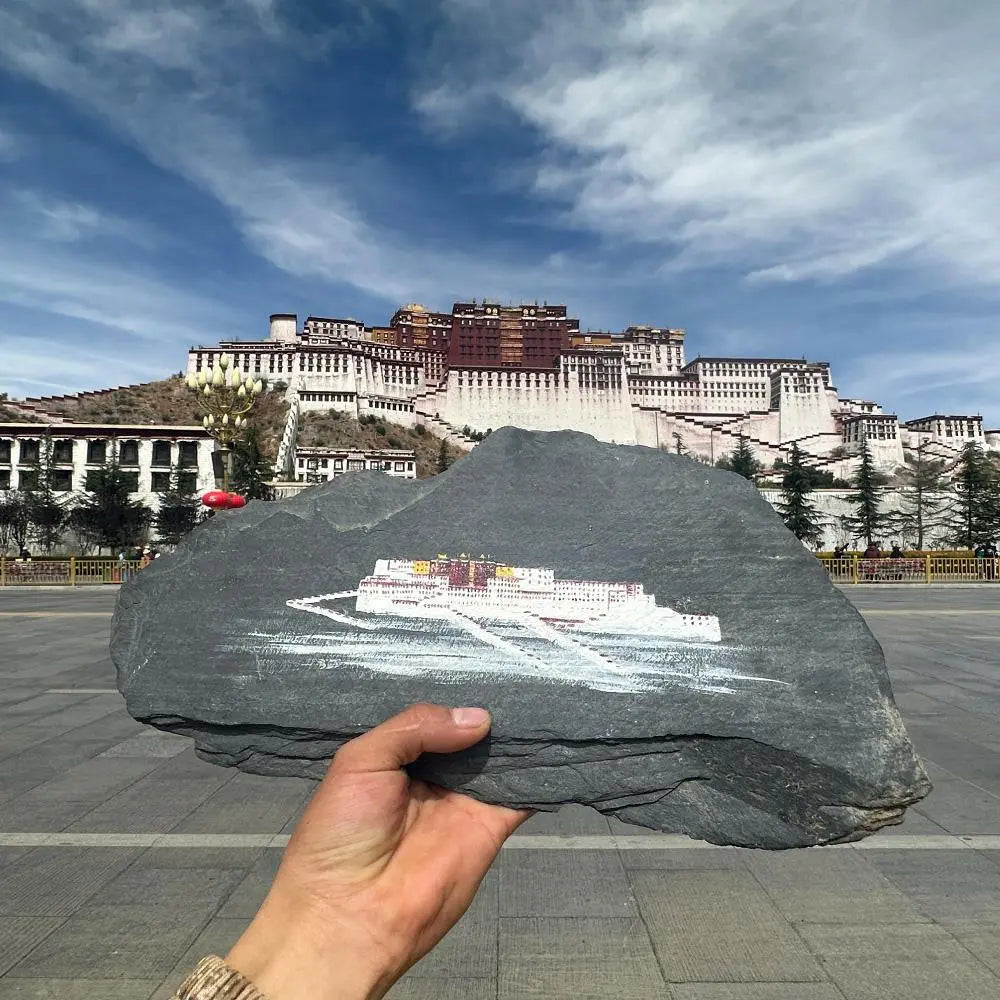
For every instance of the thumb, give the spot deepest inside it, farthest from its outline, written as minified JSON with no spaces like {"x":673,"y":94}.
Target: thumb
{"x":403,"y":738}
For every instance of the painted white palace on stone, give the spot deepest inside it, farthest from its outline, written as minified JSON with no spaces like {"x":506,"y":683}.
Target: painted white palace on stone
{"x":633,"y":387}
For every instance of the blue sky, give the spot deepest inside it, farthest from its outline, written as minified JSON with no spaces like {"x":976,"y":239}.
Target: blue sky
{"x":780,"y":178}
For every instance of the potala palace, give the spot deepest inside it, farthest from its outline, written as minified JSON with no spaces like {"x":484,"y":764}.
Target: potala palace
{"x":485,"y":365}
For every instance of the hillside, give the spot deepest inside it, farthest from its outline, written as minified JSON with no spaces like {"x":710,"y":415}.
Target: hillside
{"x":167,"y":401}
{"x":337,"y":430}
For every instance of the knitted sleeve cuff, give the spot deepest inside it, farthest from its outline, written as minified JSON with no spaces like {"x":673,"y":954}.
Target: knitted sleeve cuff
{"x":212,"y":979}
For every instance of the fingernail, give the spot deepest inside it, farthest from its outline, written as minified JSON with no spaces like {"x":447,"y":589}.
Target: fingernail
{"x":470,"y":718}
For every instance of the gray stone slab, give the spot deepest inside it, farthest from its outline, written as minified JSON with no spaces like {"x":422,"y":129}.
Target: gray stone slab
{"x":963,"y":808}
{"x":243,"y":858}
{"x":112,"y":942}
{"x":984,"y":944}
{"x":76,"y":989}
{"x":8,"y":855}
{"x":197,"y":887}
{"x":409,"y":988}
{"x":19,"y":935}
{"x":948,"y":886}
{"x":249,"y":803}
{"x":564,"y":884}
{"x":217,"y":938}
{"x":632,"y":710}
{"x":56,"y":881}
{"x":559,"y":958}
{"x":913,"y":979}
{"x":686,"y":859}
{"x":149,"y":806}
{"x":246,"y":898}
{"x":899,"y":942}
{"x":571,"y":819}
{"x":95,"y":780}
{"x":30,"y":813}
{"x":719,"y":926}
{"x":149,"y":743}
{"x":756,"y":991}
{"x":830,"y":886}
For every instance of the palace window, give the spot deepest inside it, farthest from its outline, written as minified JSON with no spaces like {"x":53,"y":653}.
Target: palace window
{"x":161,"y":453}
{"x":160,"y":482}
{"x":97,"y":452}
{"x":129,"y":453}
{"x":28,"y":451}
{"x":187,"y":453}
{"x":5,"y":451}
{"x":62,"y":452}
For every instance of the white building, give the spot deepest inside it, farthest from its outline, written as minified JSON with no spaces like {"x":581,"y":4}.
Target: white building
{"x":319,"y":464}
{"x":146,"y":454}
{"x":633,"y":387}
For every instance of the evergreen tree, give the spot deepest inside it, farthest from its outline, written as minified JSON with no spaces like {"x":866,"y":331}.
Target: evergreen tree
{"x":179,"y":510}
{"x":976,"y":517}
{"x":868,"y":485}
{"x":14,"y":522}
{"x":47,"y":511}
{"x":795,"y":507}
{"x":679,"y":446}
{"x":251,"y":472}
{"x":107,"y":516}
{"x":742,"y":461}
{"x":921,"y":511}
{"x":444,"y":459}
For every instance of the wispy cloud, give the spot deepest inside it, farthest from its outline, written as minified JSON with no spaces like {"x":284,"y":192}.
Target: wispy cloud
{"x":791,"y":140}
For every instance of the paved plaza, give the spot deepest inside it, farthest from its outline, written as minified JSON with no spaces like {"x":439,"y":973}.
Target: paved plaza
{"x":124,"y":858}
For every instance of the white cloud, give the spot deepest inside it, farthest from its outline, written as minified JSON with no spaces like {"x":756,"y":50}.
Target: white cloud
{"x":789,"y":139}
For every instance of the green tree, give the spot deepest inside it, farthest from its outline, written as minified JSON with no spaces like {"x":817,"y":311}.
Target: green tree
{"x":47,"y":511}
{"x":921,"y":511}
{"x":107,"y":516}
{"x":251,"y":471}
{"x":14,"y":522}
{"x":976,"y":516}
{"x":795,"y":507}
{"x":868,"y":484}
{"x":742,"y":461}
{"x":179,"y":510}
{"x":679,"y":446}
{"x":444,"y":459}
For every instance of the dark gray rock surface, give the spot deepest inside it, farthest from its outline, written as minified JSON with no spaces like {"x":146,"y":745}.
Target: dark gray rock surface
{"x":783,"y":734}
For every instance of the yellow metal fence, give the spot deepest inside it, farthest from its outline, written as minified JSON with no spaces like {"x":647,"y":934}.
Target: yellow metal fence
{"x":65,"y":572}
{"x":912,"y":569}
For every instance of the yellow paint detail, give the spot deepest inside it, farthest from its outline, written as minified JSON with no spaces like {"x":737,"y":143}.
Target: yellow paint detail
{"x":505,"y":571}
{"x":421,"y":566}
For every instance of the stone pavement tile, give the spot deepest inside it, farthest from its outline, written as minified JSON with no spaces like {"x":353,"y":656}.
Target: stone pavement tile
{"x":196,"y":887}
{"x":575,"y":819}
{"x":686,"y":859}
{"x":47,"y":762}
{"x":112,"y":942}
{"x":248,"y":803}
{"x":217,"y":938}
{"x":756,"y":991}
{"x":830,"y":886}
{"x":76,"y":989}
{"x":39,"y":705}
{"x":719,"y":926}
{"x":8,"y":855}
{"x":293,"y":820}
{"x":19,"y":935}
{"x":984,"y":944}
{"x":914,"y":822}
{"x":898,"y":942}
{"x":149,"y":806}
{"x":188,"y":765}
{"x":469,"y":949}
{"x":246,"y":898}
{"x":95,"y":780}
{"x":149,"y":743}
{"x":442,"y":989}
{"x":199,"y":857}
{"x":948,"y":886}
{"x":562,"y":958}
{"x":913,"y":979}
{"x":29,"y":813}
{"x":56,"y":881}
{"x":962,"y":808}
{"x":584,"y":883}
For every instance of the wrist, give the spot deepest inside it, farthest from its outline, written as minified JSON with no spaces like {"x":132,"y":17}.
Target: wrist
{"x":297,"y":956}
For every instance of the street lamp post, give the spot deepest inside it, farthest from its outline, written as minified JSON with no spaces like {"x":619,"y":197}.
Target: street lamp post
{"x":225,"y":395}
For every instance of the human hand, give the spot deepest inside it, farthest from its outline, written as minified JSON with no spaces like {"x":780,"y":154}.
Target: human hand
{"x":379,"y":868}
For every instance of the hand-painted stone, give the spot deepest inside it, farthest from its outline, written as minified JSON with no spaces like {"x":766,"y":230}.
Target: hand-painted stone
{"x":648,"y":636}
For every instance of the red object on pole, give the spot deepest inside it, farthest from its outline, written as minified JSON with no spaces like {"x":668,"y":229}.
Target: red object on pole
{"x":235,"y":500}
{"x":216,"y":499}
